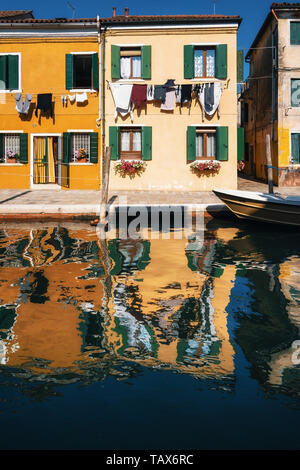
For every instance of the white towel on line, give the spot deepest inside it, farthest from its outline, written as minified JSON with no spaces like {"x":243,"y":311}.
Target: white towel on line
{"x":121,"y":94}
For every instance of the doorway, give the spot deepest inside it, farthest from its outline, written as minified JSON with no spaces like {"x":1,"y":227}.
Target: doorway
{"x":45,"y":159}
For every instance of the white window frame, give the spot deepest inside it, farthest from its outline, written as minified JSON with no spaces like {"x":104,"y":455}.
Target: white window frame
{"x":19,"y":90}
{"x":82,"y":90}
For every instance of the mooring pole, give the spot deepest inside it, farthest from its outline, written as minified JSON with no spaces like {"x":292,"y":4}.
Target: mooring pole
{"x":269,"y":163}
{"x":105,"y":183}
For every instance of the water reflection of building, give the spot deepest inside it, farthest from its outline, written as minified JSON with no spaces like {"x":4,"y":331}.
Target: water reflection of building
{"x":171,"y":304}
{"x":283,"y":364}
{"x":168,"y":314}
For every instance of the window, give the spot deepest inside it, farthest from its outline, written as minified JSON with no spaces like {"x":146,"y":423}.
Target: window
{"x":9,"y":72}
{"x":295,"y":32}
{"x":82,"y":71}
{"x":295,"y":92}
{"x":80,"y":147}
{"x":10,"y":145}
{"x":129,"y":63}
{"x":206,"y":144}
{"x":131,"y":143}
{"x":205,"y":61}
{"x":13,"y":147}
{"x":80,"y":141}
{"x":295,"y":147}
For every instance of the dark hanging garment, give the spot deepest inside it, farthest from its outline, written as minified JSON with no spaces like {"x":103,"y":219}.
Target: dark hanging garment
{"x":186,"y":93}
{"x":160,"y":93}
{"x":44,"y":103}
{"x":209,"y":96}
{"x":138,"y":95}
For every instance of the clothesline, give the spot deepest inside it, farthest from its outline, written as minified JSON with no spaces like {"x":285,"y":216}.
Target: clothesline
{"x":129,"y":96}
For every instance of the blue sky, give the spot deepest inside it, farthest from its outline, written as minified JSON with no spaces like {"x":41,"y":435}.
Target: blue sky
{"x":253,"y":13}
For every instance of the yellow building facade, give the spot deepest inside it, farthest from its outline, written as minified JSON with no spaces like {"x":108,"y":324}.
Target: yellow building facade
{"x":270,"y":99}
{"x":49,"y":104}
{"x":59,"y":110}
{"x":180,"y":51}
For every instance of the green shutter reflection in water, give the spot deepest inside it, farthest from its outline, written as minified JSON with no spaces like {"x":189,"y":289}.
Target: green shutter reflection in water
{"x":190,"y":343}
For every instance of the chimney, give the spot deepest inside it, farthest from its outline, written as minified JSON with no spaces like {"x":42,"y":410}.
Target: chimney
{"x":114,"y":11}
{"x":126,"y":11}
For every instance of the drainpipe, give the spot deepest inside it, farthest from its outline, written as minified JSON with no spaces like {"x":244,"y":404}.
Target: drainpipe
{"x":98,"y":121}
{"x":274,"y":58}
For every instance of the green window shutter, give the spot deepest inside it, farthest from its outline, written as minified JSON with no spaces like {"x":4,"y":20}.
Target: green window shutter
{"x":13,"y":72}
{"x":69,"y":72}
{"x":3,"y":72}
{"x":221,"y":61}
{"x":188,"y":61}
{"x":66,"y":147}
{"x":95,"y":62}
{"x":115,"y":62}
{"x":296,"y":148}
{"x":222,"y":143}
{"x":146,"y":143}
{"x":146,"y":62}
{"x":94,"y":147}
{"x":23,"y":148}
{"x":295,"y":33}
{"x":240,"y":144}
{"x":191,"y":143}
{"x":114,"y":142}
{"x":240,"y":66}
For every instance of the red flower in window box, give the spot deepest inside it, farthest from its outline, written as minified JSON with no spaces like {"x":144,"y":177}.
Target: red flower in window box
{"x":208,"y":167}
{"x":130,"y":167}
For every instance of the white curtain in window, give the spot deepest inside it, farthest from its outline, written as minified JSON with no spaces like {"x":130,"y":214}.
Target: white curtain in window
{"x":199,"y":145}
{"x":210,"y":63}
{"x":211,"y":145}
{"x":125,"y":65}
{"x":125,"y":141}
{"x":198,"y":63}
{"x":136,"y":66}
{"x":136,"y":141}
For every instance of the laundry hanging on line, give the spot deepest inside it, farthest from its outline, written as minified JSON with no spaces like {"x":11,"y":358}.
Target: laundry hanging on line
{"x":44,"y":103}
{"x":138,"y":96}
{"x":23,"y":107}
{"x":209,"y":95}
{"x":121,"y":94}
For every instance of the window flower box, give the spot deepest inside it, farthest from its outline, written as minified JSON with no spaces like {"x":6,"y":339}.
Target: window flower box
{"x":12,"y":157}
{"x":130,"y":168}
{"x":205,"y":167}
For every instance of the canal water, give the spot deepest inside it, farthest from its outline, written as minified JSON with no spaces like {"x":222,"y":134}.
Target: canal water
{"x":149,"y":342}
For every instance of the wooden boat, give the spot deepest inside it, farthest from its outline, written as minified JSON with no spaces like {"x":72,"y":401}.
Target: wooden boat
{"x":262,"y":207}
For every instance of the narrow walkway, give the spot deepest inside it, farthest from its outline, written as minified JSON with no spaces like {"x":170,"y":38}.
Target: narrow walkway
{"x":59,"y":202}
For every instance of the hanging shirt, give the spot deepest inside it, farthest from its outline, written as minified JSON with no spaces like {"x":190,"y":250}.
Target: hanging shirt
{"x":186,"y":93}
{"x":81,"y":97}
{"x":138,"y":96}
{"x":209,"y":97}
{"x":150,"y":92}
{"x":160,"y":93}
{"x":169,"y":103}
{"x":44,"y":103}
